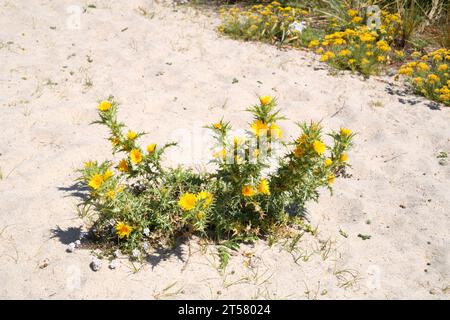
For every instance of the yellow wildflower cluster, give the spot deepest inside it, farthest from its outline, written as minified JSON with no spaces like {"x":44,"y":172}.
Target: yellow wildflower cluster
{"x":261,"y":22}
{"x":354,"y":49}
{"x":262,"y":188}
{"x":429,"y":74}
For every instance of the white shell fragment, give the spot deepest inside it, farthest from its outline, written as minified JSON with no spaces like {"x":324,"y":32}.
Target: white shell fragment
{"x":96,"y":264}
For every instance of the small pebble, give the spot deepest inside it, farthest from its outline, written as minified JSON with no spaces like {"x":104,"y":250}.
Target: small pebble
{"x":71,"y":247}
{"x":96,"y":264}
{"x":77,"y":244}
{"x":113,"y":264}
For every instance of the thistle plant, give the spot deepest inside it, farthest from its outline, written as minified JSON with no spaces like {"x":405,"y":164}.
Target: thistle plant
{"x":137,"y":202}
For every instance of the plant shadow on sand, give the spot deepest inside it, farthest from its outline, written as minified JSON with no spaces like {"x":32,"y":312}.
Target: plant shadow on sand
{"x":78,"y":190}
{"x":161,"y":254}
{"x":68,"y":235}
{"x":405,"y":97}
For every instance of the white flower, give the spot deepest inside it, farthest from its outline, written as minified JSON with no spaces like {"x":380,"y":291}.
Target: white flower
{"x":135,"y":253}
{"x":96,"y":264}
{"x":297,"y":26}
{"x":146,"y":246}
{"x":146,"y":231}
{"x":71,"y":247}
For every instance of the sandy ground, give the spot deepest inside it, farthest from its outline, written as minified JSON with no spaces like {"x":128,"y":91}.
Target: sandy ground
{"x":171,"y":70}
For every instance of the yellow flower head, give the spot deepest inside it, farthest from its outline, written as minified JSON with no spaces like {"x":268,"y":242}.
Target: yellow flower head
{"x":131,"y":135}
{"x":275,"y":131}
{"x":343,"y":157}
{"x":356,"y":19}
{"x":442,"y":67}
{"x":108,"y":174}
{"x":352,"y":12}
{"x":123,"y":165}
{"x":313,"y":43}
{"x":104,"y":106}
{"x":217,"y":125}
{"x":135,"y":156}
{"x":319,"y":147}
{"x":415,"y":54}
{"x":187,"y":201}
{"x":263,"y":187}
{"x":265,"y":100}
{"x":123,"y":230}
{"x":346,"y":132}
{"x":96,"y":181}
{"x":258,"y":127}
{"x":328,"y":162}
{"x":151,"y":148}
{"x":111,"y":194}
{"x":330,"y":179}
{"x":248,"y":191}
{"x":206,"y":197}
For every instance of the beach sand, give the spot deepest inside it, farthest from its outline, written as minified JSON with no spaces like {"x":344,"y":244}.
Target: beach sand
{"x":171,"y":70}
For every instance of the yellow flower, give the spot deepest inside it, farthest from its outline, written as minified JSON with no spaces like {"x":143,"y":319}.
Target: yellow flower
{"x":415,"y":54}
{"x":123,"y":230}
{"x":343,"y":157}
{"x":131,"y":135}
{"x":108,"y":174}
{"x":346,"y":132}
{"x":263,"y":187}
{"x":364,"y":61}
{"x":248,"y":191}
{"x":422,"y":66}
{"x":123,"y":166}
{"x":319,"y":50}
{"x":344,"y":53}
{"x":319,"y":147}
{"x":206,"y":197}
{"x":275,"y":130}
{"x":418,"y":81}
{"x":330,"y":179}
{"x":111,"y":194}
{"x":405,"y":70}
{"x":96,"y":181}
{"x":187,"y":201}
{"x":442,"y":67}
{"x":328,"y":162}
{"x":259,"y":127}
{"x":381,"y":58}
{"x":313,"y":43}
{"x":217,"y":125}
{"x":265,"y":100}
{"x":352,"y":12}
{"x":432,"y":78}
{"x":151,"y":148}
{"x":327,"y":56}
{"x":135,"y":156}
{"x":399,"y":53}
{"x":351,"y":61}
{"x":104,"y":106}
{"x":356,"y":19}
